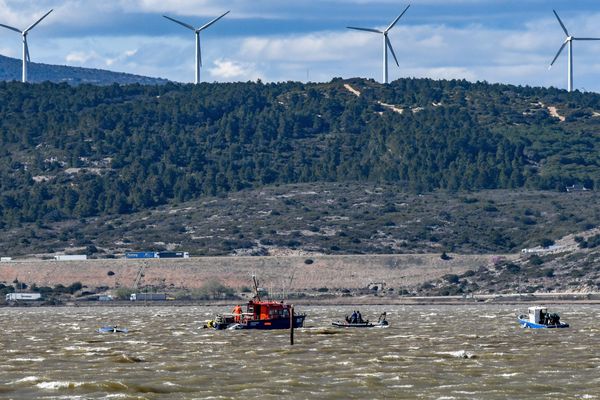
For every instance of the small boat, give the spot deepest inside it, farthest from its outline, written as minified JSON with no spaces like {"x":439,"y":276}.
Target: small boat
{"x":259,"y":314}
{"x":112,"y":329}
{"x":366,"y":324}
{"x":539,"y":318}
{"x":352,"y":322}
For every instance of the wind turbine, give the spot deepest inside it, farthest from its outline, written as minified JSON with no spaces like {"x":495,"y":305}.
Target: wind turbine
{"x":197,"y":32}
{"x":386,"y":43}
{"x":24,"y":33}
{"x":568,"y":41}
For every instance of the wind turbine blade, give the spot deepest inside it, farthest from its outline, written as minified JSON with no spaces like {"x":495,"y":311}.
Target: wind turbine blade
{"x":364,"y":29}
{"x":11,"y":28}
{"x":180,"y":23}
{"x":27,"y":52}
{"x":557,"y":54}
{"x":389,"y":45}
{"x":37,"y":22}
{"x":586,"y":38}
{"x":203,"y":27}
{"x":561,"y":23}
{"x":396,"y":20}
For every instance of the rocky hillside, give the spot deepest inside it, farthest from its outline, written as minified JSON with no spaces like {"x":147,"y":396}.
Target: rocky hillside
{"x":325,"y":218}
{"x":569,"y":265}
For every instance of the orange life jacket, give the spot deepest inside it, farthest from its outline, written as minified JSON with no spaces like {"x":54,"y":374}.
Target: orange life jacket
{"x":237,"y":313}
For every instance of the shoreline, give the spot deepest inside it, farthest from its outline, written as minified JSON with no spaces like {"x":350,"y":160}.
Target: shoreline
{"x":543,"y":298}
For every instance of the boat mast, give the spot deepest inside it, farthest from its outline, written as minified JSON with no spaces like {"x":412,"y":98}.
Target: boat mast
{"x":256,"y":295}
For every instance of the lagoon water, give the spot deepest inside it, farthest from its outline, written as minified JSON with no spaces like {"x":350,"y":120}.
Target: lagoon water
{"x":428,"y":352}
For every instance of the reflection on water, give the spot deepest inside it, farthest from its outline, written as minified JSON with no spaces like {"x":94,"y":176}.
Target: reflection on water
{"x":428,"y":352}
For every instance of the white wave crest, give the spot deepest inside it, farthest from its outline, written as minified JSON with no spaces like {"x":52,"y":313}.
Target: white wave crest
{"x":458,"y":354}
{"x":56,"y":385}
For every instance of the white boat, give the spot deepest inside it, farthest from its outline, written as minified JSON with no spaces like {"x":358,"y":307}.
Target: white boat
{"x":112,"y":329}
{"x":539,"y":318}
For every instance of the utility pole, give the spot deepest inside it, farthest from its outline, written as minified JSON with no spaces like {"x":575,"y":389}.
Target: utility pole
{"x":291,"y":325}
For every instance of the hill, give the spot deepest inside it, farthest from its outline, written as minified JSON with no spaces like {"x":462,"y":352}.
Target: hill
{"x":487,"y":166}
{"x":322,"y":218}
{"x":10,"y":70}
{"x":568,"y":266}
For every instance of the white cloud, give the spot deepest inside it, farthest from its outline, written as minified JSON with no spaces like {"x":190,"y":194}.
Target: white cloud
{"x":227,"y":70}
{"x":93,"y":58}
{"x":312,"y":47}
{"x":121,"y":58}
{"x":81,"y":57}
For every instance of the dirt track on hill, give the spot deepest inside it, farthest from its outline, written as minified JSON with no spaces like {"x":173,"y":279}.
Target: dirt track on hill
{"x":275,"y":272}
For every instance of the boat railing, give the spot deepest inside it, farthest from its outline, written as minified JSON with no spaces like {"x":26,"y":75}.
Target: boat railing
{"x":234,"y":314}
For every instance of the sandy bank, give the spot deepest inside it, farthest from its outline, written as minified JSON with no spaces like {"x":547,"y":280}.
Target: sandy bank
{"x":293,"y":273}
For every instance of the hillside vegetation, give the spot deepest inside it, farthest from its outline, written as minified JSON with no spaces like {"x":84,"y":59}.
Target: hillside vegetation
{"x":117,"y":154}
{"x":323,"y":218}
{"x":569,"y":266}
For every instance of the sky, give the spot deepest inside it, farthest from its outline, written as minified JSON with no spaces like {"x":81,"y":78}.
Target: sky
{"x":504,"y":41}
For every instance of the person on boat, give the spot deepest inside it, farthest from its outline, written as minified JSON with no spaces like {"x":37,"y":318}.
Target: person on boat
{"x":382,"y":318}
{"x":359,"y":317}
{"x":553,"y":319}
{"x":237,"y":314}
{"x":354,"y":318}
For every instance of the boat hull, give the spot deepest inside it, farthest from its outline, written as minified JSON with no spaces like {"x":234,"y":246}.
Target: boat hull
{"x":532,"y":325}
{"x":264,"y":324}
{"x":111,"y":329}
{"x":360,"y":325}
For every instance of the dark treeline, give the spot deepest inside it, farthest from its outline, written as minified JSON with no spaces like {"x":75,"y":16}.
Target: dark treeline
{"x":83,"y":151}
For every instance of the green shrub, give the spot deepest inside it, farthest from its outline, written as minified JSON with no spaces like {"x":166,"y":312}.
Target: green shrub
{"x":123,"y":293}
{"x":593,"y":241}
{"x":513,"y":268}
{"x":536,"y":260}
{"x":452,"y":278}
{"x":545,"y":242}
{"x":214,"y":289}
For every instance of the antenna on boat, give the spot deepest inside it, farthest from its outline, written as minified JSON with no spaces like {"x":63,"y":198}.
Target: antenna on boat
{"x":256,"y":295}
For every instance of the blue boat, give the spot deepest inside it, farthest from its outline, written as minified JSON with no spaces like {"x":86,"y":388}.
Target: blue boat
{"x":112,"y":329}
{"x":540,"y":318}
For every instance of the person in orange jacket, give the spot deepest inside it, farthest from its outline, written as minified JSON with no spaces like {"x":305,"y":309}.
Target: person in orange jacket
{"x":237,"y":314}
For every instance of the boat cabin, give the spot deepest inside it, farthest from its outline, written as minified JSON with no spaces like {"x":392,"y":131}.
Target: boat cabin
{"x":261,"y":310}
{"x":537,"y":315}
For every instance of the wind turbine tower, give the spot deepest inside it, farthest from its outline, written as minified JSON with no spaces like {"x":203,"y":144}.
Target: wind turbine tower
{"x":24,"y":33}
{"x":197,"y":32}
{"x":386,"y":43}
{"x":568,"y":42}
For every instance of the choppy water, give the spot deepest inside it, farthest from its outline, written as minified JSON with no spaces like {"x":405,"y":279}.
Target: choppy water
{"x":447,"y":352}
